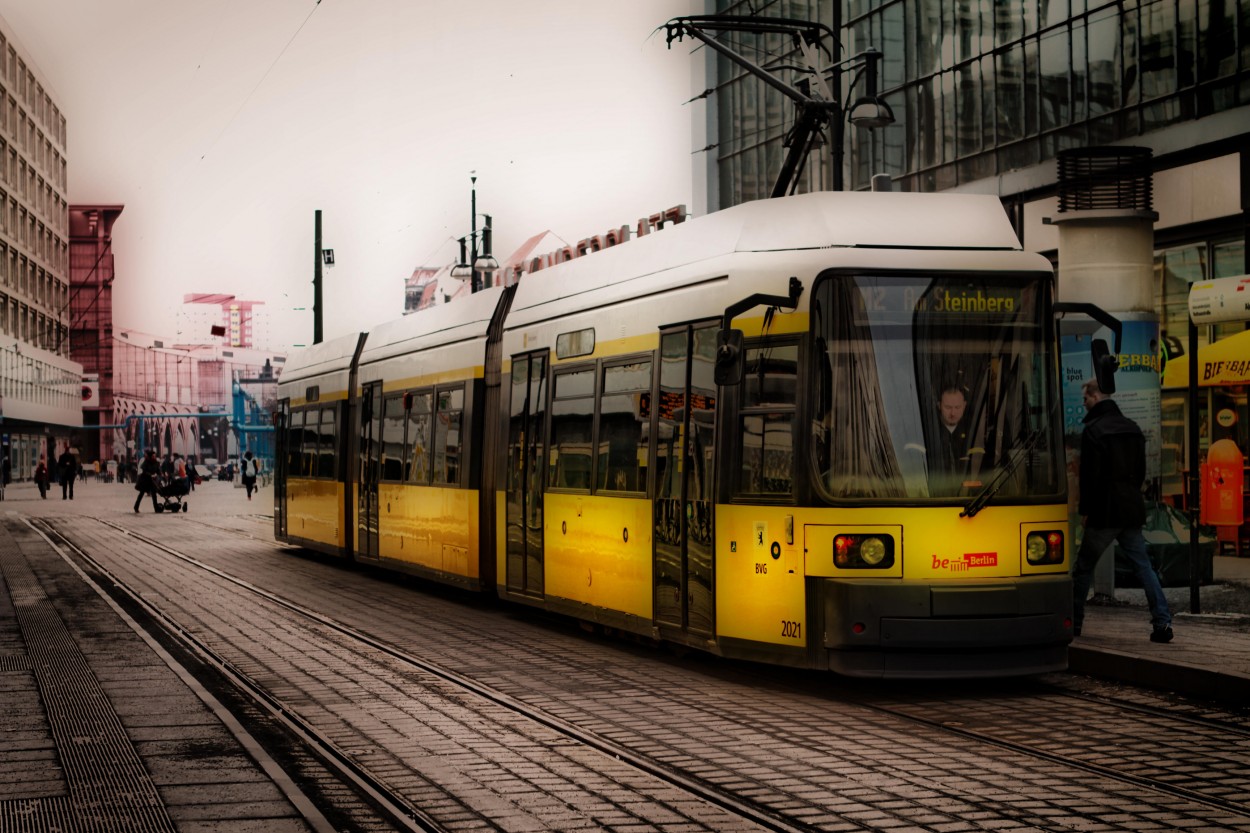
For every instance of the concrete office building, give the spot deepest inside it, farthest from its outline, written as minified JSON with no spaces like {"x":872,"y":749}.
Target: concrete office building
{"x":41,"y":388}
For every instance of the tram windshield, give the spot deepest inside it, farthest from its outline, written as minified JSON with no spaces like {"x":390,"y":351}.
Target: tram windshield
{"x":934,"y":387}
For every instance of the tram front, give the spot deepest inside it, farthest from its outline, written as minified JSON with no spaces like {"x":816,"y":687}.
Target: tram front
{"x":936,"y":543}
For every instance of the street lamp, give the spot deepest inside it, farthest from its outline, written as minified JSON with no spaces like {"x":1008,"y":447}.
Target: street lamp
{"x":470,"y":266}
{"x":870,"y":110}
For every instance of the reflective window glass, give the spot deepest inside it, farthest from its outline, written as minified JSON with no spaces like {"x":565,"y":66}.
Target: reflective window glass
{"x":393,"y":438}
{"x":447,"y":439}
{"x":328,"y":446}
{"x":418,"y":446}
{"x":624,"y":416}
{"x":572,"y":418}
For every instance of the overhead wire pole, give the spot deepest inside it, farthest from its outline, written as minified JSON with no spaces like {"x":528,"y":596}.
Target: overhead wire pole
{"x":317,"y":257}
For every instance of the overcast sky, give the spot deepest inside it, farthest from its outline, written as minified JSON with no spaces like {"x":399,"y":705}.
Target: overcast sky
{"x":222,"y":125}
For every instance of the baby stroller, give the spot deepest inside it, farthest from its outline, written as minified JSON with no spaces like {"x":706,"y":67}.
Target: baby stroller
{"x":172,"y":492}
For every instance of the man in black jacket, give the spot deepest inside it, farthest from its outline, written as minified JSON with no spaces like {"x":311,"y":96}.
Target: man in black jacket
{"x":67,"y":470}
{"x":1113,"y":469}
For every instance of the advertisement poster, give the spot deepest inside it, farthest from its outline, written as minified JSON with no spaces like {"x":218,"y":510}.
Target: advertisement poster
{"x":1136,"y":381}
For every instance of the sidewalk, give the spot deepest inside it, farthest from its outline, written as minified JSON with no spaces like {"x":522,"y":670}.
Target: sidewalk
{"x":103,"y":731}
{"x":1209,"y":657}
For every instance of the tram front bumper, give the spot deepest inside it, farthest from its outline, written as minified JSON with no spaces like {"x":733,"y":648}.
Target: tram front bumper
{"x":975,"y":628}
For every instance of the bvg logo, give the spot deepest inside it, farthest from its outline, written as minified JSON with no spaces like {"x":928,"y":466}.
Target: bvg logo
{"x":971,"y":560}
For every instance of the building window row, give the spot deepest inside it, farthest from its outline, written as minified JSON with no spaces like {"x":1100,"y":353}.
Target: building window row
{"x":23,"y":277}
{"x":27,"y":231}
{"x":32,"y":141}
{"x":36,"y":191}
{"x":28,"y":379}
{"x":981,"y":89}
{"x":31,"y":326}
{"x":17,"y":76}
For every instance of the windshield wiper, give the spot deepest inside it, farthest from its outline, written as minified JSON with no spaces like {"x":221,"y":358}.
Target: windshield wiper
{"x":983,"y":497}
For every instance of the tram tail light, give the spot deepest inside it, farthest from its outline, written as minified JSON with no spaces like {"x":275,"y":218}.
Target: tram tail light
{"x":1044,"y":547}
{"x":863,"y":552}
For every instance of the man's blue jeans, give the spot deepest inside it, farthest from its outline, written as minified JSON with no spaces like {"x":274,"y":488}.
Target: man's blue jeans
{"x":1093,"y":545}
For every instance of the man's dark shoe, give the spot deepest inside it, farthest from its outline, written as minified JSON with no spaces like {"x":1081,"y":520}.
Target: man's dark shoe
{"x":1161,"y":635}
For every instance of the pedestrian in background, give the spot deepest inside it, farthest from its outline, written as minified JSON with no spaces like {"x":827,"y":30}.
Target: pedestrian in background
{"x":6,"y":475}
{"x":67,"y":472}
{"x":145,"y":482}
{"x":249,"y":471}
{"x":1113,"y":470}
{"x":41,"y":477}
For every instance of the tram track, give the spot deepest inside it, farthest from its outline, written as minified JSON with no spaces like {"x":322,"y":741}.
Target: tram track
{"x":941,"y":724}
{"x":1154,"y":784}
{"x":398,"y":810}
{"x":393,"y":802}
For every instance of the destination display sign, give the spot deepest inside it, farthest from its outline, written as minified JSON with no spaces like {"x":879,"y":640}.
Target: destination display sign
{"x":923,"y":298}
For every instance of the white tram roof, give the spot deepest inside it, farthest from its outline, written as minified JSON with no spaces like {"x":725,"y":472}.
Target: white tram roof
{"x":319,"y":359}
{"x":821,"y":220}
{"x":464,"y":319}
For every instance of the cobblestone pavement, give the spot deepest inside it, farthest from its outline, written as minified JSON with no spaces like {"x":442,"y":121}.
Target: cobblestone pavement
{"x":824,"y":753}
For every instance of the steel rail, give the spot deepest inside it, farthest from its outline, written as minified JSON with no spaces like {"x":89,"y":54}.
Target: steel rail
{"x":393,"y":805}
{"x":864,"y":701}
{"x":749,"y":810}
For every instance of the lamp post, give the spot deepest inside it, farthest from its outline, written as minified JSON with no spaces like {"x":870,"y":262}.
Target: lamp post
{"x":473,"y":264}
{"x":869,"y":110}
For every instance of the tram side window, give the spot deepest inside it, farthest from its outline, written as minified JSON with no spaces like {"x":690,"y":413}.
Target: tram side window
{"x":308,"y":445}
{"x":766,"y":420}
{"x":417,"y":446}
{"x":329,"y":440}
{"x":624,"y":417}
{"x":393,"y":438}
{"x":294,"y":431}
{"x":447,"y":436}
{"x":572,"y":418}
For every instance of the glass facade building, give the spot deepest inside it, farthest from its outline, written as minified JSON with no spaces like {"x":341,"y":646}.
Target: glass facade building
{"x":980,"y":89}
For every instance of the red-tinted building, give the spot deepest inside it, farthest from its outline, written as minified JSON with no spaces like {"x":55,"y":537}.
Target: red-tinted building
{"x":91,"y":320}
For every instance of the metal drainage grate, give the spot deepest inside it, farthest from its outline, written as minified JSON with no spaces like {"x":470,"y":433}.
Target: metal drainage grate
{"x":109,"y":789}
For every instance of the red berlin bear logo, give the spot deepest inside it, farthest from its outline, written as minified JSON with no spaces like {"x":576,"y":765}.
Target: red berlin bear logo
{"x":969,"y":561}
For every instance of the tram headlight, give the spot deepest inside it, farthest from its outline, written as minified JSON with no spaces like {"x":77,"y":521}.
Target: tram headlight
{"x":1044,"y":547}
{"x":872,"y":550}
{"x":851,"y":552}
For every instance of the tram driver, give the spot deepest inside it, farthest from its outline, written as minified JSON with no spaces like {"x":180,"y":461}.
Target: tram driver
{"x":950,"y":451}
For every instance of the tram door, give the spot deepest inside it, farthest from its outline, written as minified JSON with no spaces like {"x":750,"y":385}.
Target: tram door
{"x":370,"y":450}
{"x":281,"y":432}
{"x":684,"y":496}
{"x":527,"y":431}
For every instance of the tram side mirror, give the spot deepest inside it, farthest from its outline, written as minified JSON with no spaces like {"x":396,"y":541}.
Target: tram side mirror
{"x":1105,"y":366}
{"x":730,"y":367}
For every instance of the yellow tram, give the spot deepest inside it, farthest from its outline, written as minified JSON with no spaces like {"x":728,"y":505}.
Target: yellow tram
{"x":820,"y":430}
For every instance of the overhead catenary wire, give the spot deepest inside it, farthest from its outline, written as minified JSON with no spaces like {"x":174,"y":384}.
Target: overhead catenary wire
{"x":248,"y":97}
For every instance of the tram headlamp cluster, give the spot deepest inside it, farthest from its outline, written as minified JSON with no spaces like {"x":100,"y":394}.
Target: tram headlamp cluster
{"x":863,"y":552}
{"x":1044,"y":547}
